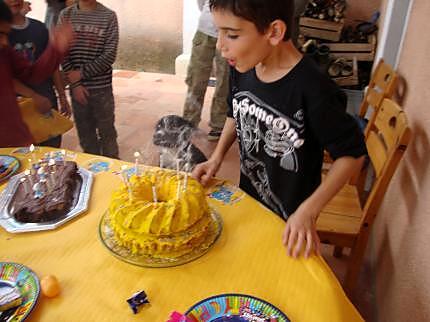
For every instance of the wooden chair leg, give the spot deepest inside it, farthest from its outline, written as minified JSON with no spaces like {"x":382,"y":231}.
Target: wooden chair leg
{"x":337,"y":252}
{"x":355,"y":262}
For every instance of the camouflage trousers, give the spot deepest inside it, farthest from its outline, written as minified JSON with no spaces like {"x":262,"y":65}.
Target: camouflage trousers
{"x":199,"y":70}
{"x":95,"y":123}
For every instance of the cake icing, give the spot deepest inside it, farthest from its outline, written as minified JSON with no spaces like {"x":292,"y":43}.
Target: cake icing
{"x":53,"y":203}
{"x":169,"y":227}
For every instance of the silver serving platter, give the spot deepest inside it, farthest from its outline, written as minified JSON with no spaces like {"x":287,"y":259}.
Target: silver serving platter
{"x":8,"y":222}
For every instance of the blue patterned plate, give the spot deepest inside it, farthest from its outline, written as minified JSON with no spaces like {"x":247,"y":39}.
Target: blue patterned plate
{"x":17,"y":275}
{"x":235,"y":308}
{"x":8,"y":166}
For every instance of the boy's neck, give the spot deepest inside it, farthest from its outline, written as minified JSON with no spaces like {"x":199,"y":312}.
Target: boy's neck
{"x":87,"y":5}
{"x":279,"y":62}
{"x":18,"y":20}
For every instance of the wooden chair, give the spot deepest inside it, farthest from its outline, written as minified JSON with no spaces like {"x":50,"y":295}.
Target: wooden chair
{"x":382,"y":85}
{"x":345,"y":222}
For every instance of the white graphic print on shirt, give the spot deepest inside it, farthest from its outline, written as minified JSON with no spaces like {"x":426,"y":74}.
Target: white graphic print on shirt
{"x":260,"y":124}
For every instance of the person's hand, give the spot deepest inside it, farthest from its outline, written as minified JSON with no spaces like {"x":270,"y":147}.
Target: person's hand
{"x":203,"y":172}
{"x":65,"y":106}
{"x":80,"y":94}
{"x":73,"y":76}
{"x":69,"y":2}
{"x":300,"y":231}
{"x":43,"y":104}
{"x":62,"y":36}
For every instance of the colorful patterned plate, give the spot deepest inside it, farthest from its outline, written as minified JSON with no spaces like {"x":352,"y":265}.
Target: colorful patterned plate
{"x":235,"y":308}
{"x":8,"y":166}
{"x":17,"y":275}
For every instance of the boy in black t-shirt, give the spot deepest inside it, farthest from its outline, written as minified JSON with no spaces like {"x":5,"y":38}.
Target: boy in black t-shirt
{"x":284,"y":113}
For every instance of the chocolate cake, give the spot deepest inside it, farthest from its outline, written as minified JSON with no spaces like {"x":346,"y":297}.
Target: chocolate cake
{"x":57,"y":196}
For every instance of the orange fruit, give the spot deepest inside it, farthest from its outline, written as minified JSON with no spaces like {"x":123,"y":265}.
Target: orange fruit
{"x":50,"y":286}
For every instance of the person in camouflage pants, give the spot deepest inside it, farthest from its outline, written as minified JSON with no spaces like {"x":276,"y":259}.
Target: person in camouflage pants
{"x":203,"y":54}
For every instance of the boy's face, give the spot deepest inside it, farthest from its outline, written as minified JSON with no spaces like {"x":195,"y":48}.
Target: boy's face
{"x":239,"y":41}
{"x":15,"y":6}
{"x":4,"y":32}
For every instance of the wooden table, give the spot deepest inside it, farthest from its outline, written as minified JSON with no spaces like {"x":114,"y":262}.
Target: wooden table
{"x":248,"y":258}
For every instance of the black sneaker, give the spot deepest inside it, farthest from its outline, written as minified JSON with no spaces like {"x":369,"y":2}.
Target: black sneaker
{"x":214,"y":135}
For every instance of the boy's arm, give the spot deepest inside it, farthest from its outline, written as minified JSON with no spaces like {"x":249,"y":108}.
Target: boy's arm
{"x":59,"y":86}
{"x":36,"y":73}
{"x":66,"y":64}
{"x":203,"y":172}
{"x":300,"y":229}
{"x":105,"y":61}
{"x":42,"y":103}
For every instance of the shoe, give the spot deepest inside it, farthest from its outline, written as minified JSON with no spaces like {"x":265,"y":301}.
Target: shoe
{"x":214,"y":135}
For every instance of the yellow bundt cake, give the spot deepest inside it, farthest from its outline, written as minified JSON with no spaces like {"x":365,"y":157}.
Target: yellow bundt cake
{"x":169,"y":227}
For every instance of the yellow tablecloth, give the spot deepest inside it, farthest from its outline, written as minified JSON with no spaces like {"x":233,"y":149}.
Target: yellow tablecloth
{"x":248,"y":258}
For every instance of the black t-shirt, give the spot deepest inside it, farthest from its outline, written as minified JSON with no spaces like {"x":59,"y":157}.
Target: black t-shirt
{"x":283,"y":128}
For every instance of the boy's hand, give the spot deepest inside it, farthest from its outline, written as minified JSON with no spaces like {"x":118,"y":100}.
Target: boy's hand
{"x":65,"y":106}
{"x":300,"y":231}
{"x":203,"y":172}
{"x":43,"y":104}
{"x":73,"y":76}
{"x":80,"y":94}
{"x":62,"y":36}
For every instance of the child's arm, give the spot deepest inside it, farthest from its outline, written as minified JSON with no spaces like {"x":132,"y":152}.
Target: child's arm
{"x":300,"y":229}
{"x":42,"y":103}
{"x":48,"y":62}
{"x":59,"y":86}
{"x":203,"y":172}
{"x":66,"y":64}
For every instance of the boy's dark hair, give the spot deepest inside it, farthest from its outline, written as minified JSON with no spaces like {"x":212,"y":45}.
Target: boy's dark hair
{"x":260,"y":12}
{"x":5,"y":13}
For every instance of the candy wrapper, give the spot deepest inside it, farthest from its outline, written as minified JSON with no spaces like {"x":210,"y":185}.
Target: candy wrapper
{"x":138,"y":299}
{"x":178,"y":317}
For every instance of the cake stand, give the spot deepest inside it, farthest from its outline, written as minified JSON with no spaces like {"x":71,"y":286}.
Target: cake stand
{"x":108,"y":239}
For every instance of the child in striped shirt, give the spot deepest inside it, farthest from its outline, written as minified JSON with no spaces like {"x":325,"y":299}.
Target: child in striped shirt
{"x":88,"y":68}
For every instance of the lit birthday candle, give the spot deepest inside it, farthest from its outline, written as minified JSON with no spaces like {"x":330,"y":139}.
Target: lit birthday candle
{"x":29,"y":177}
{"x":161,"y":160}
{"x":154,"y":194}
{"x":33,"y":157}
{"x":126,"y":181}
{"x":185,"y":181}
{"x":178,"y":192}
{"x":37,"y":189}
{"x":63,"y":153}
{"x":178,"y":161}
{"x":43,"y":178}
{"x":25,"y":185}
{"x":136,"y":163}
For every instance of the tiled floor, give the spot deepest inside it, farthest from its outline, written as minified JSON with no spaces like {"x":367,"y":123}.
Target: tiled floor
{"x":142,"y":99}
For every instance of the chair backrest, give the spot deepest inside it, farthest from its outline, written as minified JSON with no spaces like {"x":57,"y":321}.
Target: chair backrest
{"x":382,"y":85}
{"x":386,"y":143}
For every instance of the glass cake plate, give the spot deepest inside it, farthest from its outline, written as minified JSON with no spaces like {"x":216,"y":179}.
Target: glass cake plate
{"x":108,"y":239}
{"x":8,"y":221}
